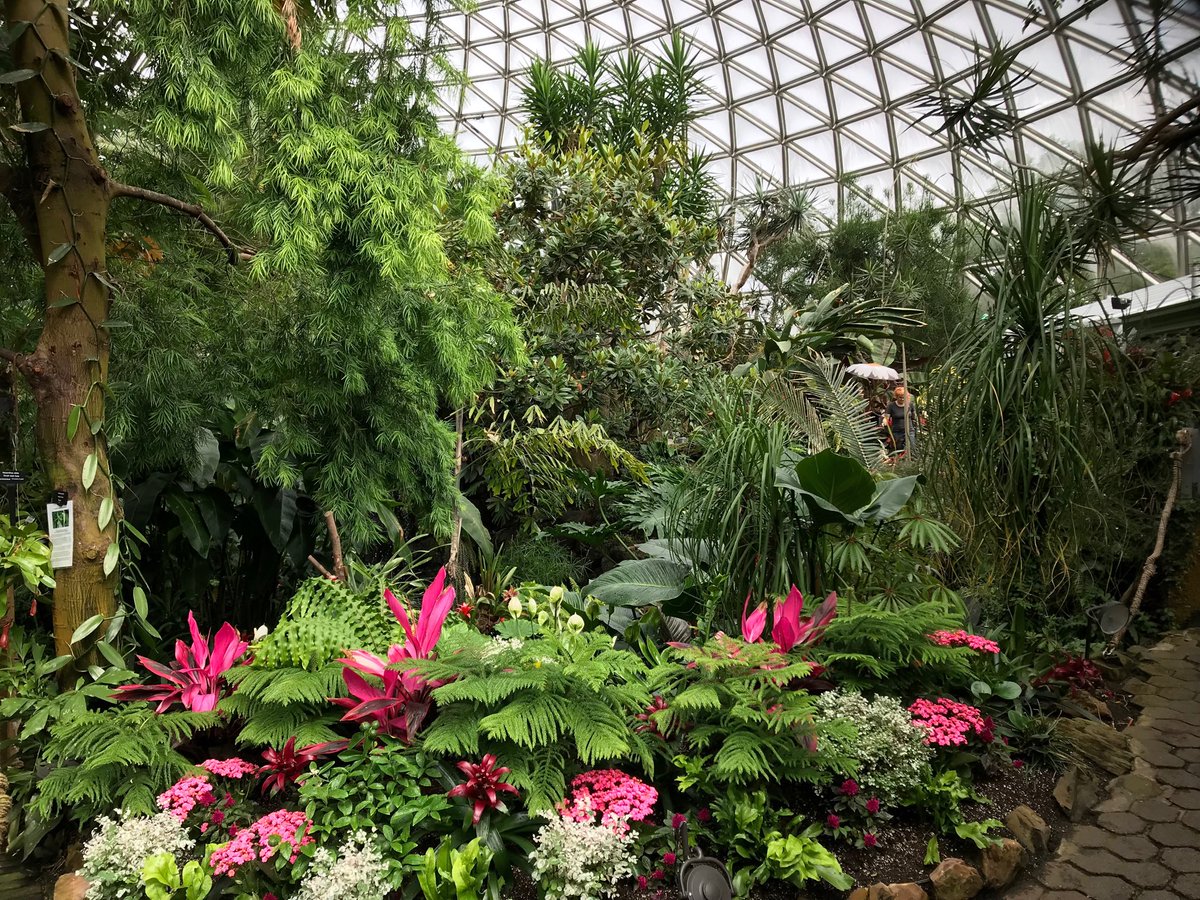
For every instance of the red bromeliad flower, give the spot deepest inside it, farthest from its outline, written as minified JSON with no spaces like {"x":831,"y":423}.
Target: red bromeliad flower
{"x":465,"y":610}
{"x":195,"y":682}
{"x":647,"y":718}
{"x":284,"y":765}
{"x":483,"y":786}
{"x":401,"y":701}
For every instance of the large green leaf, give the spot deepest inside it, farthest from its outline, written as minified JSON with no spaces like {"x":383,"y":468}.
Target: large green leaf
{"x":190,"y":522}
{"x":832,"y":486}
{"x":472,"y":524}
{"x":890,"y":497}
{"x":639,"y":582}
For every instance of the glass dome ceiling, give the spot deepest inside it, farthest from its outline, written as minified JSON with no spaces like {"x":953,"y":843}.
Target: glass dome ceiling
{"x":825,"y":93}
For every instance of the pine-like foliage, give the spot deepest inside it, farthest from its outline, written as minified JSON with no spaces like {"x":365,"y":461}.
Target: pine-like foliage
{"x":119,"y":758}
{"x":285,"y":692}
{"x":538,"y":705}
{"x":877,"y":650}
{"x":324,"y":619}
{"x":739,"y":718}
{"x":368,"y":222}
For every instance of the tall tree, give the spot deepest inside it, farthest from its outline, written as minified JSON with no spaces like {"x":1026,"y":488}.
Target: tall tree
{"x":60,"y":192}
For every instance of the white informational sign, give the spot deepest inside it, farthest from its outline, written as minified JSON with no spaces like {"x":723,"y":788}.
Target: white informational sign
{"x":61,"y":520}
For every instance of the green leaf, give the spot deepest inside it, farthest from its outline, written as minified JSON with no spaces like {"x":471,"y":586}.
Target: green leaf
{"x":106,"y":513}
{"x":51,"y":666}
{"x":111,"y":555}
{"x":17,"y":75}
{"x":890,"y":497}
{"x":64,"y":300}
{"x":73,"y":421}
{"x":833,"y":487}
{"x":639,"y":582}
{"x":30,"y":127}
{"x":90,"y":465}
{"x":115,"y":323}
{"x":1008,"y":690}
{"x":208,"y":457}
{"x":86,"y":627}
{"x":472,"y":524}
{"x":35,"y":723}
{"x":981,"y":689}
{"x":933,"y":855}
{"x":58,"y":253}
{"x":110,"y":653}
{"x":190,"y":522}
{"x":141,"y":604}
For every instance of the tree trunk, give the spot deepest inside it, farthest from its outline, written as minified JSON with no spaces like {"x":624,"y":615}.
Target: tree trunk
{"x":69,"y":367}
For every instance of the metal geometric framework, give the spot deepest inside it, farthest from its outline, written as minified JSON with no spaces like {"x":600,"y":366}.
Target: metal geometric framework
{"x":821,"y":92}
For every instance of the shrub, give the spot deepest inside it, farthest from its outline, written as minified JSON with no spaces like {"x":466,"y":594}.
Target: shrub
{"x":892,"y":755}
{"x":576,"y":857}
{"x":358,"y":872}
{"x":113,"y":858}
{"x":542,"y":560}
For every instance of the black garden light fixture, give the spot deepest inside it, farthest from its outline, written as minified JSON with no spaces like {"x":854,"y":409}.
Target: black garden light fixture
{"x":1109,"y":617}
{"x":700,"y":877}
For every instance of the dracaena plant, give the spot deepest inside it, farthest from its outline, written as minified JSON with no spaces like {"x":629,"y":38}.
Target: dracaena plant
{"x":284,"y":766}
{"x":788,"y":629}
{"x":398,"y":699}
{"x":196,"y":680}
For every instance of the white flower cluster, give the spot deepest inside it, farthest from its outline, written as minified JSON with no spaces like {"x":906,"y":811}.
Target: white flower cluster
{"x":581,"y":859}
{"x":501,"y":645}
{"x":892,"y":754}
{"x":357,"y":873}
{"x":113,"y":858}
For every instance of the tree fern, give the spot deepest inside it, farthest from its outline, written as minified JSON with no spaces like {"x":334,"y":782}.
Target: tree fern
{"x":538,"y":704}
{"x":116,"y":758}
{"x":890,"y":651}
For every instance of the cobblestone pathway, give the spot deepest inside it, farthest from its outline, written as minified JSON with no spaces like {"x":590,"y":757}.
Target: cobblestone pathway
{"x":1145,"y":842}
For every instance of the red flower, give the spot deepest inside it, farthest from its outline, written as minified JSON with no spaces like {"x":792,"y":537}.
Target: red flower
{"x":873,"y":805}
{"x":678,"y":820}
{"x":833,"y":822}
{"x":1018,"y":763}
{"x":643,"y":882}
{"x":869,"y":840}
{"x":464,"y":610}
{"x":849,"y":787}
{"x":669,"y":858}
{"x":483,"y":785}
{"x":703,"y":814}
{"x":647,"y":718}
{"x":196,"y":681}
{"x":285,"y":765}
{"x":217,"y":817}
{"x":658,"y":874}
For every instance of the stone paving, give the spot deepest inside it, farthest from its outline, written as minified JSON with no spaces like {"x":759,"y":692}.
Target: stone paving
{"x":1145,"y":840}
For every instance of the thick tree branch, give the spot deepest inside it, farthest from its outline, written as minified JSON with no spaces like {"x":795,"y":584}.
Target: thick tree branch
{"x":117,"y":189}
{"x":1134,"y":151}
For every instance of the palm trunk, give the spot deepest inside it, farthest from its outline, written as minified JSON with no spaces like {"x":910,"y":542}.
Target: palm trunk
{"x":70,"y":196}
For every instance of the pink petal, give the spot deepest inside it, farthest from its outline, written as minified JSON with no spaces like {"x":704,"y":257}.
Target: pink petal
{"x":199,"y":644}
{"x":399,"y":612}
{"x":435,"y":606}
{"x":753,"y":624}
{"x":364,"y":661}
{"x":359,"y":687}
{"x":227,"y":648}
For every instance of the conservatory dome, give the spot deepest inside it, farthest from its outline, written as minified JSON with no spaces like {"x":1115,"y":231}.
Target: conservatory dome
{"x":828,"y":93}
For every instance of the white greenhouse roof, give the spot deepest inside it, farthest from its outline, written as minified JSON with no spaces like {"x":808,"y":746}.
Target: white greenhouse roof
{"x":823,"y":92}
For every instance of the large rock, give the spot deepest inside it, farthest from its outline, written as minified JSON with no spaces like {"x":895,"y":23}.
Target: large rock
{"x":881,"y":891}
{"x":1001,"y":862}
{"x":1076,"y":793}
{"x":1093,"y":744}
{"x":953,"y":879}
{"x":1030,"y":829}
{"x":70,"y":887}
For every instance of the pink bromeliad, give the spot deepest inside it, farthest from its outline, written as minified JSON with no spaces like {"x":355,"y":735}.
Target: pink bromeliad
{"x":400,"y":701}
{"x":195,"y":681}
{"x":788,"y":630}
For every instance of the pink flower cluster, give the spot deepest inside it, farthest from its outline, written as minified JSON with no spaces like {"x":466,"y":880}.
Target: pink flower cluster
{"x":949,"y":723}
{"x":185,"y":795}
{"x":962,"y":638}
{"x":617,"y":797}
{"x":290,"y":827}
{"x":229,"y":768}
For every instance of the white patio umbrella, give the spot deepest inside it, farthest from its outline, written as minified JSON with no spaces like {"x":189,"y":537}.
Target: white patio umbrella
{"x":873,"y":372}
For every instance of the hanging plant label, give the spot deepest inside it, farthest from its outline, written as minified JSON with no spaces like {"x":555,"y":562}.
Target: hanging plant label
{"x":61,"y":520}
